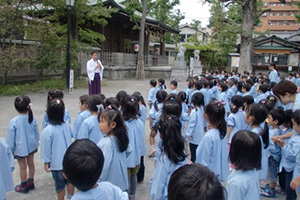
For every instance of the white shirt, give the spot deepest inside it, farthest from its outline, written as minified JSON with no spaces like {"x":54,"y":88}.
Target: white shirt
{"x":91,"y":69}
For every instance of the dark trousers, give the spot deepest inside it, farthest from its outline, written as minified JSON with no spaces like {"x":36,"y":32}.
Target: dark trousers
{"x":282,"y":181}
{"x":95,"y":85}
{"x":290,"y":193}
{"x":141,"y":172}
{"x":193,"y":148}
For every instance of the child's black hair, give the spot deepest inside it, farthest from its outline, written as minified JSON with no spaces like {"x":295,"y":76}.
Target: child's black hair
{"x":198,"y":85}
{"x":190,"y":81}
{"x":278,"y":114}
{"x":84,"y":99}
{"x":83,"y":164}
{"x":264,"y":88}
{"x":260,"y":113}
{"x":161,"y":95}
{"x":130,"y":107}
{"x":172,"y":140}
{"x":22,"y":105}
{"x":240,"y":86}
{"x":182,"y":95}
{"x":55,"y":94}
{"x":112,"y":114}
{"x":94,"y":102}
{"x":238,"y":102}
{"x":172,"y":105}
{"x":216,"y":116}
{"x":288,"y":117}
{"x":120,"y":95}
{"x":113,"y":101}
{"x":248,"y":99}
{"x":175,"y":83}
{"x":162,"y":85}
{"x":102,"y":96}
{"x":198,"y":99}
{"x":56,"y":111}
{"x":195,"y":181}
{"x":296,"y":117}
{"x":223,"y":86}
{"x":247,"y":87}
{"x":245,"y":151}
{"x":153,"y":82}
{"x":269,"y":103}
{"x":139,"y":97}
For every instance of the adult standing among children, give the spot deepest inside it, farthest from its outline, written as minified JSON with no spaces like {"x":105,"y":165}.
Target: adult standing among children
{"x":94,"y":69}
{"x":273,"y":75}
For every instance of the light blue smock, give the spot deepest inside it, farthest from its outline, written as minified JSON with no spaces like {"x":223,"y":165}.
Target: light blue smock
{"x":89,"y":129}
{"x":243,"y":185}
{"x":55,"y":139}
{"x":136,"y":135}
{"x":115,"y":165}
{"x":6,"y":169}
{"x":22,"y":137}
{"x":237,"y":122}
{"x":104,"y":191}
{"x":164,"y":168}
{"x":212,"y":153}
{"x":78,"y":121}
{"x":195,"y":128}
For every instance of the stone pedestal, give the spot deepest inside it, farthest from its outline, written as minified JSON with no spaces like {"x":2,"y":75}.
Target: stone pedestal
{"x":197,"y":68}
{"x":179,"y":71}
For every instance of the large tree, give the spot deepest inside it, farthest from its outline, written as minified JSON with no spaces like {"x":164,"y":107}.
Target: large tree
{"x":250,"y":15}
{"x":159,"y":9}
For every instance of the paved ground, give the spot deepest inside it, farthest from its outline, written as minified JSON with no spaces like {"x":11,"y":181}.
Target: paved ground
{"x":44,"y":184}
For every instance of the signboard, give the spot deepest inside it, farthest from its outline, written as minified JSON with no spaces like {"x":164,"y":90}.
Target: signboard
{"x":71,"y":84}
{"x":235,"y":61}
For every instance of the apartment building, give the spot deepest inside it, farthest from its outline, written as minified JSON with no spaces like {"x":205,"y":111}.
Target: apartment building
{"x":281,"y":18}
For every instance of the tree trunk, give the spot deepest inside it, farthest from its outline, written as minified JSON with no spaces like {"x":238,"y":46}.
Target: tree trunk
{"x":140,"y":71}
{"x":246,"y":50}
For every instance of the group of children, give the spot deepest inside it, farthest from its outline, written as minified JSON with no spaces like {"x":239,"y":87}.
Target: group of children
{"x":239,"y":130}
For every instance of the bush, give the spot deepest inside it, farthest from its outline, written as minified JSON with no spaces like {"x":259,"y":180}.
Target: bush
{"x":24,"y":88}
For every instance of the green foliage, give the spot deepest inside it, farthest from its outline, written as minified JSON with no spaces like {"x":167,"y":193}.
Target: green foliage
{"x":37,"y":86}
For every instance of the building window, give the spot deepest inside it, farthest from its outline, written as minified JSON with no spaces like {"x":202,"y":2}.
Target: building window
{"x":264,"y":14}
{"x":265,"y":4}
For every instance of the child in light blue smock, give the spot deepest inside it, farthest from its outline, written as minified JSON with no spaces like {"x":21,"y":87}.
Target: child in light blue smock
{"x":82,"y":165}
{"x":23,"y":141}
{"x":245,"y":155}
{"x":154,"y":115}
{"x":152,"y":93}
{"x":184,"y":114}
{"x":90,"y":127}
{"x":290,"y":160}
{"x":212,"y":151}
{"x":276,"y":118}
{"x":232,"y":90}
{"x":142,"y":116}
{"x":195,"y":129}
{"x":222,"y":96}
{"x":83,"y":114}
{"x":255,"y":115}
{"x":55,"y":139}
{"x":235,"y":119}
{"x":136,"y":135}
{"x":6,"y":169}
{"x":171,"y":157}
{"x":115,"y":147}
{"x":263,"y":92}
{"x":55,"y":94}
{"x":142,"y":106}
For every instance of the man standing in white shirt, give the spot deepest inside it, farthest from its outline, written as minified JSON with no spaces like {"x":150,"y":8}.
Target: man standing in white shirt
{"x":94,"y":69}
